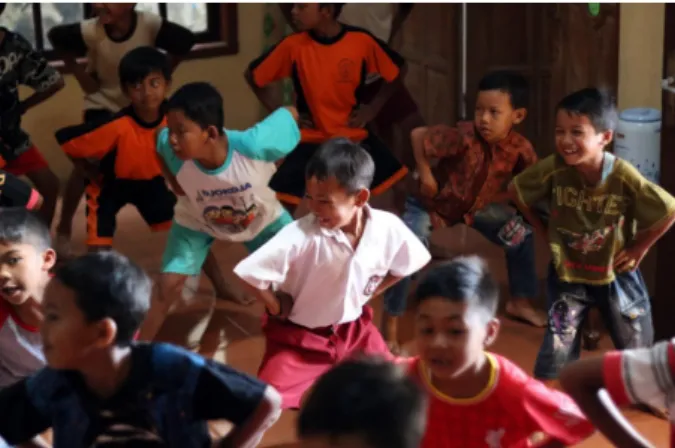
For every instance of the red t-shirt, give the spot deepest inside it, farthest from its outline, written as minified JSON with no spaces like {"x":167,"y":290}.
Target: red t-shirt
{"x":513,"y":411}
{"x":643,"y":376}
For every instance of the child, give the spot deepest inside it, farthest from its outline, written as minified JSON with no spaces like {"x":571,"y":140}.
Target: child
{"x":26,"y":258}
{"x":644,"y":376}
{"x":478,"y":398}
{"x":325,"y":268}
{"x":128,"y":172}
{"x":25,"y":65}
{"x":116,"y":30}
{"x":328,"y":63}
{"x":100,"y":386}
{"x":468,"y":185}
{"x":365,"y":403}
{"x":16,"y":193}
{"x":604,"y":217}
{"x":222,"y":176}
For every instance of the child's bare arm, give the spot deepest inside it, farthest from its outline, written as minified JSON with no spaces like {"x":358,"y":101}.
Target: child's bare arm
{"x":583,"y":381}
{"x":630,"y":257}
{"x":249,"y":433}
{"x":533,"y":219}
{"x":37,"y":442}
{"x":266,"y":297}
{"x":264,"y":94}
{"x":68,"y":44}
{"x":38,"y":97}
{"x":388,"y":281}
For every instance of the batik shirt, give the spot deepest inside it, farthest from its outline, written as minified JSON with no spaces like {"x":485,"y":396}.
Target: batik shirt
{"x":589,"y":225}
{"x":20,"y":63}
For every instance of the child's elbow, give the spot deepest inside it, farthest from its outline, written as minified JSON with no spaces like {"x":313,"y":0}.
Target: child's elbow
{"x":418,"y":134}
{"x":294,"y":112}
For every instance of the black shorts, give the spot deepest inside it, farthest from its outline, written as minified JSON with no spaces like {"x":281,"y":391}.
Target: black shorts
{"x":289,"y":180}
{"x":152,"y":198}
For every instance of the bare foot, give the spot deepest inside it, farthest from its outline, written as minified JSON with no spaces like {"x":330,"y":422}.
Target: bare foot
{"x":521,"y":309}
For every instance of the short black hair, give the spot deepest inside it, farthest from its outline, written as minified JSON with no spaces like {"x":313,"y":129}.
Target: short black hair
{"x":108,"y":285}
{"x":140,"y":62}
{"x":201,"y":103}
{"x":337,"y":8}
{"x":21,"y":226}
{"x":464,"y":279}
{"x":507,"y":81}
{"x":368,"y":398}
{"x":345,"y":160}
{"x":596,"y":104}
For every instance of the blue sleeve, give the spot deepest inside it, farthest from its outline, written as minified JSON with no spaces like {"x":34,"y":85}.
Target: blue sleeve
{"x":223,"y":393}
{"x":173,"y":163}
{"x":25,"y":421}
{"x":270,"y":140}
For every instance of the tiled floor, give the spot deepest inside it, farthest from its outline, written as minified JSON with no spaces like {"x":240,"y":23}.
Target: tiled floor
{"x":233,"y":333}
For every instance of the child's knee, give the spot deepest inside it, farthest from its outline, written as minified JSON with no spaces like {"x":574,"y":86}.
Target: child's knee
{"x":170,"y":288}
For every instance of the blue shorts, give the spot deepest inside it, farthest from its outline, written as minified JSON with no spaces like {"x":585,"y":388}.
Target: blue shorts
{"x":186,"y":249}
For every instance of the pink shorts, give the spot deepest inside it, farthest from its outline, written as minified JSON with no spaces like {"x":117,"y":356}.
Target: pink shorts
{"x":296,"y":356}
{"x":29,"y":161}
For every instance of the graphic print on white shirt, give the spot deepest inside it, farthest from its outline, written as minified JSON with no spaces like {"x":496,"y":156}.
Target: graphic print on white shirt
{"x":235,"y":204}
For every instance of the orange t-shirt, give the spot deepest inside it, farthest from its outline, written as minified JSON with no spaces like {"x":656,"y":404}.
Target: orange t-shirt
{"x":124,"y":141}
{"x":327,"y":75}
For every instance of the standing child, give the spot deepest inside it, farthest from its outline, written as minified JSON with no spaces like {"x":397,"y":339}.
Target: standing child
{"x":477,"y":398}
{"x":105,"y":39}
{"x":328,"y":63}
{"x":468,"y":185}
{"x":643,"y":376}
{"x":100,"y":387}
{"x":26,"y":258}
{"x":222,"y":177}
{"x":25,"y":65}
{"x":127,"y":171}
{"x":604,"y":217}
{"x":325,"y":268}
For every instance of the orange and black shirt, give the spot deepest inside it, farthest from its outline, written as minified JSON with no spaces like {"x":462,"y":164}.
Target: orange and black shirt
{"x":124,"y":144}
{"x":328,"y":76}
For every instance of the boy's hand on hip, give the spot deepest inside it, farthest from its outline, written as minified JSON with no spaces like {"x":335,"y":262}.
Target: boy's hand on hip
{"x":305,"y":122}
{"x":629,"y":259}
{"x":361,"y":117}
{"x":285,"y":305}
{"x":428,"y":186}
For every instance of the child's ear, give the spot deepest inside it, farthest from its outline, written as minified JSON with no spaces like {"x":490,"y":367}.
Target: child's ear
{"x":607,"y":137}
{"x":48,"y":259}
{"x":519,"y":115}
{"x":212,"y":132}
{"x":362,"y":197}
{"x":492,"y":331}
{"x":106,"y":333}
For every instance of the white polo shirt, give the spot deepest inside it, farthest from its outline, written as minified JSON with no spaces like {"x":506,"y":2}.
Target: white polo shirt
{"x":329,"y":280}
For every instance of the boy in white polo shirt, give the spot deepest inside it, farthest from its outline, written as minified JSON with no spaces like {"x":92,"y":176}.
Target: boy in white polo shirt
{"x":317,"y":274}
{"x":220,"y":177}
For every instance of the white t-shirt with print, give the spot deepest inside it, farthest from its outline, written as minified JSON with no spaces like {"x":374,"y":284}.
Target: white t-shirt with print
{"x":234,"y":202}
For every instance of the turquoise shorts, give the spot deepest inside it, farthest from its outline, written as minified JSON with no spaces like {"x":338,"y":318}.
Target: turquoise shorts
{"x":186,"y":249}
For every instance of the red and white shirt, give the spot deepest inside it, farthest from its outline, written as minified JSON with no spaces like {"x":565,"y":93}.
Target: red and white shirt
{"x":643,"y":376}
{"x":513,"y":411}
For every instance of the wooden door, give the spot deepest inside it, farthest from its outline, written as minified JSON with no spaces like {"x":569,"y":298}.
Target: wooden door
{"x":663,"y":304}
{"x":429,"y":41}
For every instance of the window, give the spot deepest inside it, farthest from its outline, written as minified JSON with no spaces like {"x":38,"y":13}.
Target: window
{"x":215,"y":25}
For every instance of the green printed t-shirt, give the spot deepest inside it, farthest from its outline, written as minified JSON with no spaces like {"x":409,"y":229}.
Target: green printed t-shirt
{"x":588,"y":226}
